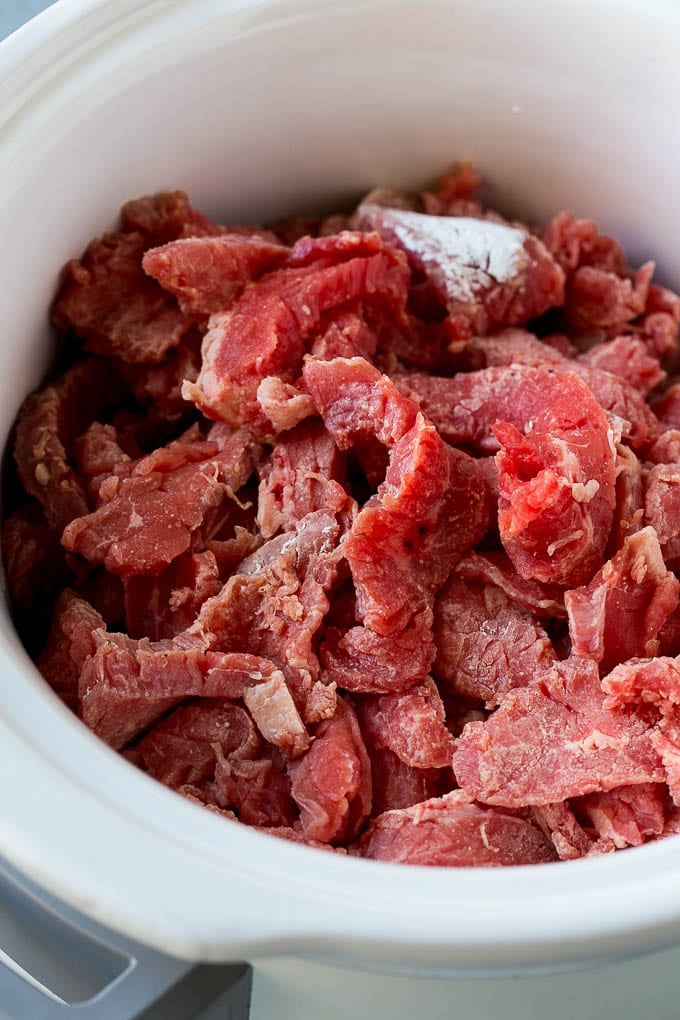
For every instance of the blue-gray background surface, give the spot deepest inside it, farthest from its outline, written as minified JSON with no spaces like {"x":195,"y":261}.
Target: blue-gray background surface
{"x":14,"y":12}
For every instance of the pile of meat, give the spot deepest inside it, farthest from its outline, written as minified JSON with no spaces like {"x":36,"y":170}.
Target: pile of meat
{"x":363,"y":531}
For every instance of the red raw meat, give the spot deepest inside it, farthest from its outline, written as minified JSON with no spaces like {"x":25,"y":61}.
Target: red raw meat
{"x":626,"y":815}
{"x":543,"y":600}
{"x":486,"y":644}
{"x":666,"y":450}
{"x":344,"y":334}
{"x":568,"y":837}
{"x":331,"y":783}
{"x":362,"y":661}
{"x":258,"y":790}
{"x":599,"y":298}
{"x":432,"y":506}
{"x":265,"y":333}
{"x":411,"y":724}
{"x":207,"y":273}
{"x":574,"y":242}
{"x":451,"y":831}
{"x":491,"y":273}
{"x":662,"y":508}
{"x":629,"y":358}
{"x":47,"y":426}
{"x":166,"y":216}
{"x":165,"y":604}
{"x":643,"y":681}
{"x":667,"y":407}
{"x":180,"y":748}
{"x":275,"y":605}
{"x":283,"y":404}
{"x":150,"y":517}
{"x":126,"y":685}
{"x":304,"y":472}
{"x":114,"y":307}
{"x":32,"y":557}
{"x":397,"y":785}
{"x":71,"y":641}
{"x":553,"y":740}
{"x":620,"y":613}
{"x":630,"y":498}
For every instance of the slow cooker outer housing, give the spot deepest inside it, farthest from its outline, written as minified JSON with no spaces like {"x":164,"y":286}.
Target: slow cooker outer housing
{"x":258,"y":110}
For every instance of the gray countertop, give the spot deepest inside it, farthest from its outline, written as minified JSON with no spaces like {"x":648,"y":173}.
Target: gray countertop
{"x":14,"y":12}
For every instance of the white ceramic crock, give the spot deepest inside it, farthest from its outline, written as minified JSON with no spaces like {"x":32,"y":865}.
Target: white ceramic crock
{"x":257,"y":110}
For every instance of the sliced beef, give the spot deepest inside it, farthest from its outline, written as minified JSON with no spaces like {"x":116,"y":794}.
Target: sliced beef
{"x":627,"y":357}
{"x":207,"y":273}
{"x":568,"y":837}
{"x":32,"y":556}
{"x":453,"y":832}
{"x":266,"y":331}
{"x":283,"y":404}
{"x":47,"y":426}
{"x":114,"y":307}
{"x":331,"y":783}
{"x":411,"y":724}
{"x":543,"y":600}
{"x":304,"y":472}
{"x":626,"y":816}
{"x":662,"y":508}
{"x":621,"y":612}
{"x":151,"y":516}
{"x":489,"y":272}
{"x":398,"y":785}
{"x":274,"y":606}
{"x":486,"y":644}
{"x":554,"y":740}
{"x":163,"y":605}
{"x":70,"y":643}
{"x":630,"y":498}
{"x":257,"y":790}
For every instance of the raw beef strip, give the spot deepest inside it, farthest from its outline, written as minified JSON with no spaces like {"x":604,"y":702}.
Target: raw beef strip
{"x":258,"y":790}
{"x":574,"y":242}
{"x":276,"y":603}
{"x":304,"y":472}
{"x":32,"y":557}
{"x":331,"y":783}
{"x":641,"y":681}
{"x":554,"y":740}
{"x":666,"y":450}
{"x":627,"y":357}
{"x":357,"y":402}
{"x":600,"y":298}
{"x":509,"y":347}
{"x":283,"y":404}
{"x":451,"y":831}
{"x":453,"y":196}
{"x":466,"y":407}
{"x":669,"y":752}
{"x":667,"y":407}
{"x":432,"y":506}
{"x":114,"y":307}
{"x":544,"y":600}
{"x":630,"y":498}
{"x":620,"y":613}
{"x":98,"y":453}
{"x":625,"y":816}
{"x":47,"y":426}
{"x":165,"y":604}
{"x":150,"y":517}
{"x":398,"y":785}
{"x":344,"y":334}
{"x":491,"y":273}
{"x":71,"y":641}
{"x":486,"y":645}
{"x":159,"y":387}
{"x":569,"y":838}
{"x":266,"y":330}
{"x":412,"y":725}
{"x":126,"y":685}
{"x":207,"y":273}
{"x":662,"y":508}
{"x":180,"y":748}
{"x":166,"y":216}
{"x":362,"y":661}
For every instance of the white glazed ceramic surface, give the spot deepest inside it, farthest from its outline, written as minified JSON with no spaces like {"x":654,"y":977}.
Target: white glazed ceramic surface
{"x":261,"y":109}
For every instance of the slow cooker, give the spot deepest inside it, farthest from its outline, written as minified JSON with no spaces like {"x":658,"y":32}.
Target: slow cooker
{"x":261,"y":109}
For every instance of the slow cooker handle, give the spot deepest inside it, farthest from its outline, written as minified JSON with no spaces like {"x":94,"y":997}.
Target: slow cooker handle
{"x":56,"y":965}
